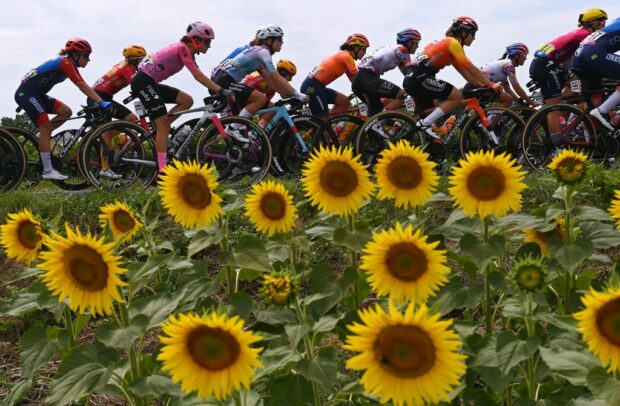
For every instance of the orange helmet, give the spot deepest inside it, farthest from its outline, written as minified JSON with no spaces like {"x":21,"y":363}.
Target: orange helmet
{"x":134,"y":51}
{"x":357,"y":39}
{"x":287,"y":66}
{"x":78,"y":45}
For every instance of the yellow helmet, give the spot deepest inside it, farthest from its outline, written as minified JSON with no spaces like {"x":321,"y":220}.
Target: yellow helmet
{"x":593,"y":14}
{"x":287,"y":66}
{"x":134,"y":51}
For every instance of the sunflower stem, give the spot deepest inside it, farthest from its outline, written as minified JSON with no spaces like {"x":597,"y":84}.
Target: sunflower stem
{"x":301,"y":317}
{"x":568,"y":203}
{"x":69,"y":325}
{"x":419,"y":218}
{"x":229,"y":271}
{"x":488,"y":315}
{"x":353,"y":259}
{"x":292,"y":254}
{"x":531,"y":330}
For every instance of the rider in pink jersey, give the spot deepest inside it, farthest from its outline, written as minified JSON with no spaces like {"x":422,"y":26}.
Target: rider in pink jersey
{"x":161,"y":65}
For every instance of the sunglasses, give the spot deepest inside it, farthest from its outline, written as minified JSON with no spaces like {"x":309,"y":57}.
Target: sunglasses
{"x":85,"y":55}
{"x":284,"y":73}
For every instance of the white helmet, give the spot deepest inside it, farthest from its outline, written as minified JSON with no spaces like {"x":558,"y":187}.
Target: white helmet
{"x":200,"y":30}
{"x":269,"y":31}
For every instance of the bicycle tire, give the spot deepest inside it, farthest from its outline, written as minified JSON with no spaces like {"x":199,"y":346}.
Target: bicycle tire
{"x":345,"y":128}
{"x":12,"y":161}
{"x":30,"y":144}
{"x":238,"y":165}
{"x":505,"y":127}
{"x":536,"y":143}
{"x":526,"y":112}
{"x":68,"y":163}
{"x":130,"y":152}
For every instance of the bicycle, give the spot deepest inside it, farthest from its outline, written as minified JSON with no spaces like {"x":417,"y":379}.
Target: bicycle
{"x":30,"y":145}
{"x":347,"y":123}
{"x":12,"y":161}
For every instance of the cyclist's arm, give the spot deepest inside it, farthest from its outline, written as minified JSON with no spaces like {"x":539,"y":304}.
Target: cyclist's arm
{"x":522,"y":94}
{"x":205,"y":81}
{"x":88,"y":91}
{"x":278,"y":83}
{"x":72,"y":73}
{"x":508,"y":89}
{"x":473,"y":75}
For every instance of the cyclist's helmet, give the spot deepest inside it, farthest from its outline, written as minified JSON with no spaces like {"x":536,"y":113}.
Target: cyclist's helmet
{"x":269,"y":31}
{"x":287,"y":65}
{"x":134,"y":51}
{"x":200,"y":30}
{"x":357,"y":40}
{"x":517,"y":48}
{"x":464,"y":23}
{"x":593,"y":14}
{"x":78,"y":45}
{"x":408,"y":34}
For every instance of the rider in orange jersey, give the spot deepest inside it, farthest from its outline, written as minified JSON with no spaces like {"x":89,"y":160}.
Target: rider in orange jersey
{"x":421,"y":83}
{"x":331,"y":68}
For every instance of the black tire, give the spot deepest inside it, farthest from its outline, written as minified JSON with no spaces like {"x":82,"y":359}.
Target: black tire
{"x":345,"y":128}
{"x":66,"y":160}
{"x":388,"y":126}
{"x":526,"y":112}
{"x":129,"y":151}
{"x":12,"y":161}
{"x":239,"y":165}
{"x":536,"y":143}
{"x":30,"y":144}
{"x":502,"y":135}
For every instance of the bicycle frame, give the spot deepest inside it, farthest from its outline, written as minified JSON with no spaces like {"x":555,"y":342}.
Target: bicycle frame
{"x":282,"y":114}
{"x":470,"y":105}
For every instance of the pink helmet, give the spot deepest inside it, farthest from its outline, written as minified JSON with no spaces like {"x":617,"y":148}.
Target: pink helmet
{"x":200,"y":30}
{"x":517,"y":48}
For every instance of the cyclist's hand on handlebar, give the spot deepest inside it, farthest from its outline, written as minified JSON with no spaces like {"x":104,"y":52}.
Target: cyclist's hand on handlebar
{"x":497,"y":87}
{"x":227,"y":93}
{"x":301,"y":97}
{"x":105,"y":105}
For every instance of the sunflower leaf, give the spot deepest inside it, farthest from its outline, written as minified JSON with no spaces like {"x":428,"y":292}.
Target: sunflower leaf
{"x":155,"y":385}
{"x":482,"y":253}
{"x":17,"y":392}
{"x":601,"y":235}
{"x":36,"y":349}
{"x":79,"y":381}
{"x":323,"y":370}
{"x":572,"y":256}
{"x":250,"y":253}
{"x":511,"y":350}
{"x":353,"y":239}
{"x":571,"y":365}
{"x":156,"y":308}
{"x":115,"y":337}
{"x":604,"y":385}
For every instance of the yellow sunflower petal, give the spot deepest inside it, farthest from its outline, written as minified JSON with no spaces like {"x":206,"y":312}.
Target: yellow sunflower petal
{"x":270,"y":208}
{"x":487,"y":184}
{"x":121,"y":220}
{"x":402,"y":265}
{"x":209,"y":354}
{"x":336,"y":182}
{"x":614,"y":209}
{"x":405,"y":174}
{"x":83,"y":269}
{"x":599,"y":323}
{"x":569,"y":166}
{"x":22,"y":237}
{"x":408,"y":358}
{"x":188,"y":193}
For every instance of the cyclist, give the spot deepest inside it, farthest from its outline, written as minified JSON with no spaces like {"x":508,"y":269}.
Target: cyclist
{"x":368,"y":80}
{"x":111,"y":83}
{"x":164,"y":63}
{"x":504,"y":71}
{"x":286,"y":69}
{"x":595,"y":58}
{"x":421,"y":83}
{"x":331,"y":68}
{"x":31,"y":95}
{"x":247,"y":59}
{"x":548,"y":68}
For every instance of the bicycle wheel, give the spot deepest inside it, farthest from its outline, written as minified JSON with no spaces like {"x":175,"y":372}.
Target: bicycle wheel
{"x":64,"y":150}
{"x":388,"y":126}
{"x":30,"y":144}
{"x":577,"y":128}
{"x":345,"y":127}
{"x":12,"y":161}
{"x":238,"y":164}
{"x":124,"y":147}
{"x":506,"y":126}
{"x":526,"y":112}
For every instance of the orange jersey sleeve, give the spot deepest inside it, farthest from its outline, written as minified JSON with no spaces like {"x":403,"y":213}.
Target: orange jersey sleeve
{"x":448,"y":51}
{"x":335,"y":66}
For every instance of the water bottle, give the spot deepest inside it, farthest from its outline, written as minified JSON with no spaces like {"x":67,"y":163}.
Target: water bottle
{"x":181,"y":135}
{"x":305,"y":110}
{"x":409,"y":103}
{"x":363,"y":109}
{"x":139,"y":107}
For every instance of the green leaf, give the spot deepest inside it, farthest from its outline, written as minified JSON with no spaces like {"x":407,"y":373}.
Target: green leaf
{"x":487,"y":353}
{"x":78,"y":382}
{"x":275,"y":359}
{"x":198,"y":283}
{"x":296,"y":332}
{"x":322,"y":370}
{"x":601,"y":235}
{"x":250,"y":254}
{"x":571,"y":365}
{"x":482,"y":253}
{"x":155,"y":385}
{"x":586,"y":213}
{"x":93,"y":353}
{"x":604,"y":385}
{"x":323,"y":231}
{"x":298,"y":391}
{"x":36,"y":349}
{"x":511,"y":350}
{"x":355,"y":240}
{"x":326,"y":323}
{"x":276,"y":316}
{"x":477,"y":397}
{"x":17,"y":392}
{"x":26,"y":301}
{"x":457,"y":225}
{"x":455,"y":297}
{"x":242,"y":303}
{"x":564,"y":322}
{"x":156,"y":308}
{"x":113,"y":336}
{"x":204,"y":239}
{"x":572,"y":256}
{"x":137,"y":271}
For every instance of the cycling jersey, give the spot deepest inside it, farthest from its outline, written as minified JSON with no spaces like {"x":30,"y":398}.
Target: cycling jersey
{"x":437,"y":55}
{"x":256,"y":81}
{"x":608,"y":38}
{"x":42,"y":78}
{"x":168,"y":61}
{"x":596,"y":58}
{"x":385,"y":59}
{"x":333,"y":67}
{"x":501,"y":71}
{"x":563,"y":47}
{"x":234,"y":53}
{"x":247,"y":61}
{"x":115,"y":79}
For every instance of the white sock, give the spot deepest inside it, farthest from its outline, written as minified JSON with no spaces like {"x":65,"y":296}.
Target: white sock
{"x":611,"y":102}
{"x":245,"y":114}
{"x":434,"y":116}
{"x":46,"y":160}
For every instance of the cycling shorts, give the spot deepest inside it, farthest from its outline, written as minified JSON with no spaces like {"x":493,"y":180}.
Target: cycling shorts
{"x":425,"y":88}
{"x":320,"y":96}
{"x":550,"y":77}
{"x":120,"y":111}
{"x":592,"y":63}
{"x":241,"y":91}
{"x":153,"y":96}
{"x":35,"y":105}
{"x":367,"y":83}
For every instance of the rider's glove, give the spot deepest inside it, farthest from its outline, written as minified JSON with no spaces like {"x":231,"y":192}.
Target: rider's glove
{"x":104,"y":105}
{"x":495,"y":86}
{"x":227,"y":93}
{"x":301,"y":97}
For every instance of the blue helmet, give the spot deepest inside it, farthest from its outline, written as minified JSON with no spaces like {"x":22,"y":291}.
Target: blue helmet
{"x":517,"y":48}
{"x":408,"y":34}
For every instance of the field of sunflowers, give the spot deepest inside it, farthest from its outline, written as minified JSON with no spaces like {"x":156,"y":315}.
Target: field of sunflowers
{"x":344,"y":287}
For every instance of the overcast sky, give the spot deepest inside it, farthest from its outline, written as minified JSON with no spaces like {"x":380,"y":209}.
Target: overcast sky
{"x":32,"y":32}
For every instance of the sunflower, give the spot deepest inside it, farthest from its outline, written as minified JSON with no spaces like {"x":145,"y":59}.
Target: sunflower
{"x":336,"y":182}
{"x":84,"y":269}
{"x":270,"y":208}
{"x":541,"y":238}
{"x":187,"y":192}
{"x":22,"y":237}
{"x":487,"y":184}
{"x":121,"y":220}
{"x":409,"y":358}
{"x":569,"y":166}
{"x":614,"y":209}
{"x":528,"y":274}
{"x":278,"y":288}
{"x":599,"y":323}
{"x":404,"y":173}
{"x":401,"y":264}
{"x":210,"y":354}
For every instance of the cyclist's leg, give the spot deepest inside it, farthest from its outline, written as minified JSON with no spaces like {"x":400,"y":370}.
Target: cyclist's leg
{"x":182,"y":100}
{"x":316,"y":92}
{"x":449,"y":103}
{"x":340,"y":101}
{"x":551,"y":79}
